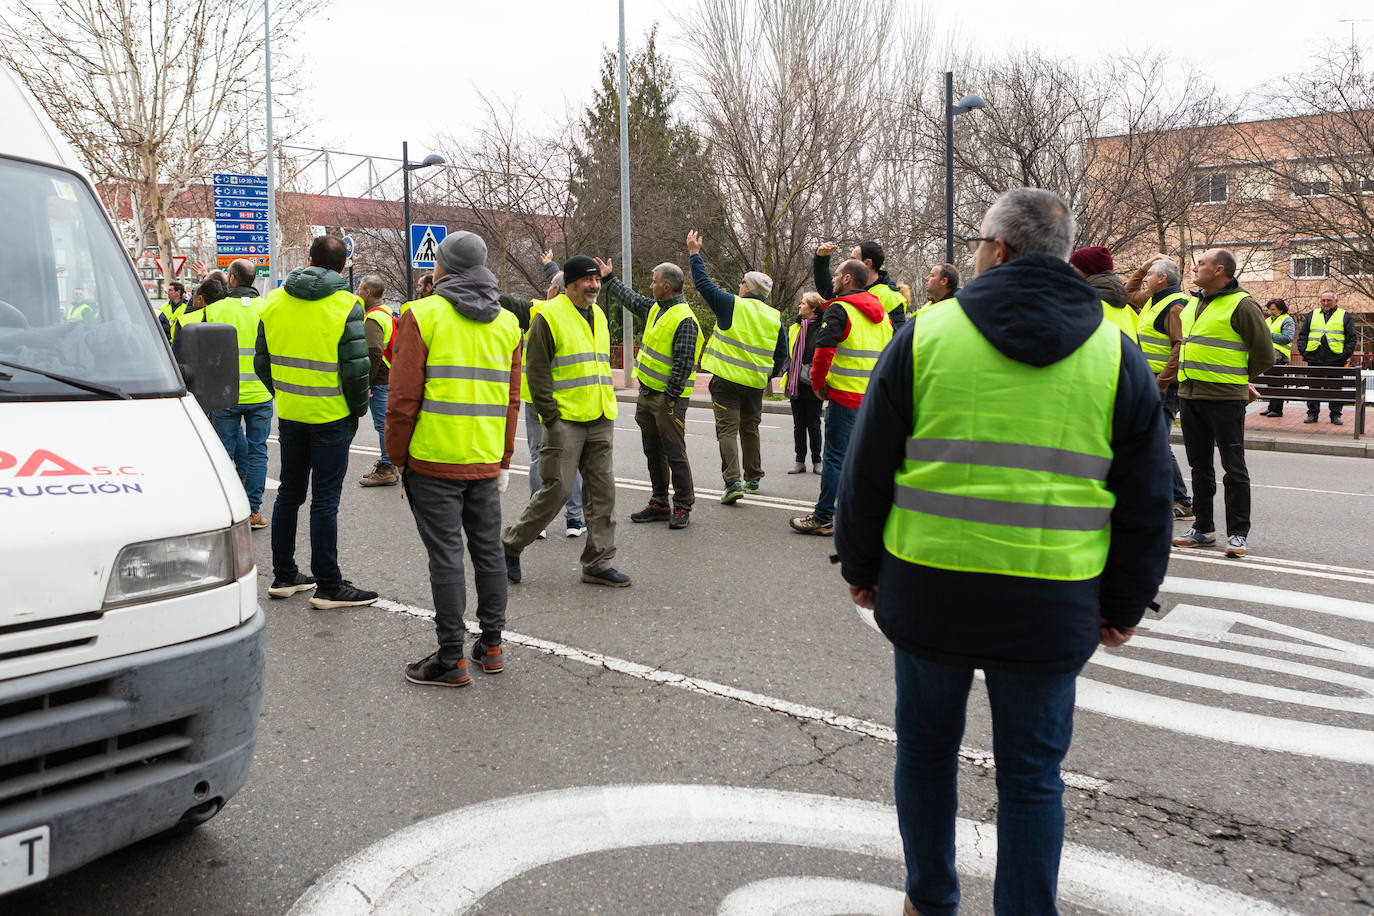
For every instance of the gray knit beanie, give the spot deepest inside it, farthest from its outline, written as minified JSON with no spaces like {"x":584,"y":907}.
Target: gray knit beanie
{"x":459,"y":251}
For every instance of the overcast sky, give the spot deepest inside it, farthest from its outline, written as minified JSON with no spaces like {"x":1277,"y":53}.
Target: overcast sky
{"x":378,"y":79}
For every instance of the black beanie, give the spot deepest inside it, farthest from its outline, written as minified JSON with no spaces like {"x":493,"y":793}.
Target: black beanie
{"x":577,"y":267}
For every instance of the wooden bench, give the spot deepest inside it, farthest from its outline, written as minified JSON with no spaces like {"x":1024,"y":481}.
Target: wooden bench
{"x":1334,"y":384}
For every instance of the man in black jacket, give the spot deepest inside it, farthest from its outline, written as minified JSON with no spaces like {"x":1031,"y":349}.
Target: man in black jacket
{"x":881,"y":283}
{"x":984,"y":593}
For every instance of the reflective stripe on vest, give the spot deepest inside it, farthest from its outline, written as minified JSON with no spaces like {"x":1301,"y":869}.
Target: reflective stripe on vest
{"x":1123,"y":318}
{"x":462,"y":418}
{"x":654,"y":362}
{"x":303,"y":343}
{"x":1333,"y":329}
{"x":858,"y":353}
{"x":242,"y":312}
{"x":1006,"y":465}
{"x":1212,"y":350}
{"x":1154,"y":345}
{"x":581,"y":368}
{"x":743,"y":354}
{"x":382,"y":315}
{"x":1275,"y":323}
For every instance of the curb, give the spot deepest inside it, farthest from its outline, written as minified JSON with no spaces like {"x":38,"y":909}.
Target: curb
{"x":1351,"y":449}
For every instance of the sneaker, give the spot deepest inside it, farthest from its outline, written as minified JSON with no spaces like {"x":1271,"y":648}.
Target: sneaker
{"x":1236,"y":546}
{"x":543,"y":535}
{"x":256,"y":521}
{"x":751,"y":486}
{"x":285,"y":588}
{"x":576,"y":529}
{"x":383,"y":475}
{"x":609,"y":577}
{"x":432,"y":672}
{"x":1337,"y":421}
{"x":344,"y":595}
{"x":681,"y":518}
{"x":489,"y":657}
{"x":1183,"y":510}
{"x":1310,"y":418}
{"x":816,"y":468}
{"x":798,"y":468}
{"x":512,"y":568}
{"x":1195,"y":538}
{"x":652,"y":513}
{"x":809,"y":524}
{"x":733,"y":494}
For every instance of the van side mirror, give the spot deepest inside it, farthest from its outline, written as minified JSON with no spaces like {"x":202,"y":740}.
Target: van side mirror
{"x":210,"y":363}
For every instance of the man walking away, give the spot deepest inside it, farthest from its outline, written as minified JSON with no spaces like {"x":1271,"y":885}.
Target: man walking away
{"x":1011,"y":533}
{"x":379,"y":328}
{"x":568,"y":365}
{"x":1281,"y":331}
{"x":871,"y":255}
{"x":941,"y":283}
{"x":666,"y":367}
{"x":1095,"y":265}
{"x":1161,"y":338}
{"x":311,"y":352}
{"x":1225,"y":344}
{"x":747,"y":348}
{"x":854,"y":331}
{"x":450,"y":423}
{"x":1326,"y":337}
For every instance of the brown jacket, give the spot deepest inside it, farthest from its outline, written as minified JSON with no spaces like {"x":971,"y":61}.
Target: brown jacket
{"x":408,"y":359}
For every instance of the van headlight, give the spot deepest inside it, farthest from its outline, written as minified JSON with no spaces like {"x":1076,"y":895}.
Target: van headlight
{"x":152,"y":570}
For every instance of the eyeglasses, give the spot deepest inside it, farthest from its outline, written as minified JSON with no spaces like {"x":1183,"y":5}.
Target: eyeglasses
{"x":973,"y":241}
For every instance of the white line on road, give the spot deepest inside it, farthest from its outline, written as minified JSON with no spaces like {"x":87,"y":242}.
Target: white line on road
{"x":1271,"y":486}
{"x":1290,"y":567}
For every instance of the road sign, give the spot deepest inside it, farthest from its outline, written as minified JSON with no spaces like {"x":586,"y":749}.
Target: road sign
{"x":348,"y":247}
{"x":424,"y":244}
{"x":223,"y":179}
{"x":241,"y":228}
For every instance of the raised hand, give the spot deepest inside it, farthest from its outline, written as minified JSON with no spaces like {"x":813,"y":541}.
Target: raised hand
{"x":826,"y":249}
{"x":605,"y":266}
{"x":694,"y":242}
{"x":546,"y":257}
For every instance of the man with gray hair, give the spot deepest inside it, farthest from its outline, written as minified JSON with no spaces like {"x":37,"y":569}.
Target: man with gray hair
{"x":1004,"y":507}
{"x":748,"y":348}
{"x":666,"y":367}
{"x":1160,"y":332}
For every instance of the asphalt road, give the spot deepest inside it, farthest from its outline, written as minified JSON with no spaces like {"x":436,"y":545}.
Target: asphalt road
{"x":716,"y":739}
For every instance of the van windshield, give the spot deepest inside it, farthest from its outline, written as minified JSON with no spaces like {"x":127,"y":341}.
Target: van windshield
{"x":74,"y":320}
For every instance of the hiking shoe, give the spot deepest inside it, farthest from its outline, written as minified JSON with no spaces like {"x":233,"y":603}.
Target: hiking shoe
{"x":256,"y":521}
{"x":576,"y":529}
{"x":681,"y":518}
{"x":432,"y":672}
{"x":798,"y":468}
{"x":652,"y":513}
{"x":733,"y":494}
{"x":344,"y":595}
{"x":816,"y":468}
{"x":383,"y":475}
{"x":609,"y":577}
{"x":489,"y":657}
{"x":751,"y":486}
{"x":1195,"y":538}
{"x":1310,"y":418}
{"x":1183,"y":510}
{"x":809,"y":524}
{"x":285,"y":588}
{"x":1337,"y":421}
{"x":512,"y":568}
{"x":1236,"y":546}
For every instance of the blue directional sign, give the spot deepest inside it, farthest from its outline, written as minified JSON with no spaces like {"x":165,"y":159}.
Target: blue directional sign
{"x":240,"y":203}
{"x":424,"y":244}
{"x":250,"y":181}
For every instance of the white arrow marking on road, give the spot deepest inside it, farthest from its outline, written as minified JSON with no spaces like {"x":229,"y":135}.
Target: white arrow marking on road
{"x":448,"y":863}
{"x":811,"y":897}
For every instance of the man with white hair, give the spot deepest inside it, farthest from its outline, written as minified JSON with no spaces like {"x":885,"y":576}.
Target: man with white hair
{"x":1160,"y":330}
{"x":748,"y":348}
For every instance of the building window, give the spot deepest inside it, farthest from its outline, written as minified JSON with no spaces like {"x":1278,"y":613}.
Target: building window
{"x":1209,"y":187}
{"x":1353,"y":266}
{"x":1359,"y":185}
{"x":1308,"y":268}
{"x":1317,"y":188}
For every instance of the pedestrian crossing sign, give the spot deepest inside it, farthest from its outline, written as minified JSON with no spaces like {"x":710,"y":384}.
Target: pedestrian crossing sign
{"x":424,"y":244}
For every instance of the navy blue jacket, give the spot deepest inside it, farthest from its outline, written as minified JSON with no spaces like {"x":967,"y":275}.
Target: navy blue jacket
{"x":1036,"y":310}
{"x":722,"y":305}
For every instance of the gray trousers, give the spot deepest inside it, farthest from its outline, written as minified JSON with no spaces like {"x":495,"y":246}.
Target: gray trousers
{"x":443,"y":510}
{"x":568,"y":448}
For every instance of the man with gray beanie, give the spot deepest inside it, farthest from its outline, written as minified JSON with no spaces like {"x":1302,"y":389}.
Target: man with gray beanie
{"x":568,"y":368}
{"x":748,"y":348}
{"x":450,"y":430}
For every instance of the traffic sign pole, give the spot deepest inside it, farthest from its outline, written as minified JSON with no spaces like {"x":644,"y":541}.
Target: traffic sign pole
{"x":271,"y":175}
{"x":405,"y":196}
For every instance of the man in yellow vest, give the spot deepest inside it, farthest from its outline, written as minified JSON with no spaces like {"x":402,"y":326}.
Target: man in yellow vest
{"x":379,"y":327}
{"x":312,"y":354}
{"x":568,"y":367}
{"x":872,"y":256}
{"x":1225,"y":344}
{"x":176,"y":302}
{"x":1326,"y":339}
{"x":1160,"y":335}
{"x":1281,"y":331}
{"x":450,"y":428}
{"x":941,"y":283}
{"x":855,"y":328}
{"x":1004,"y":507}
{"x":666,"y":367}
{"x":747,"y":348}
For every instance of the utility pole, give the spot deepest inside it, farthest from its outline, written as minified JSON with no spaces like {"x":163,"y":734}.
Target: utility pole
{"x":271,"y":172}
{"x":627,"y":321}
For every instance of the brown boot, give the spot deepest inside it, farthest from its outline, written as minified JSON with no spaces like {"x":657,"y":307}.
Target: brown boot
{"x":383,"y":475}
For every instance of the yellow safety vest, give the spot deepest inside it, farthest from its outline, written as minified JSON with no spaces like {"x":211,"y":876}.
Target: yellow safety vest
{"x":82,"y":311}
{"x":381,"y":314}
{"x":1015,"y":484}
{"x":744,"y":353}
{"x":1333,"y":329}
{"x":1212,"y":350}
{"x":583,"y":386}
{"x":303,"y":342}
{"x":462,"y":417}
{"x":858,"y":353}
{"x":243,"y":313}
{"x":1275,"y":327}
{"x":535,"y":305}
{"x":1123,"y":318}
{"x":654,"y":362}
{"x":1153,"y":344}
{"x":891,"y":299}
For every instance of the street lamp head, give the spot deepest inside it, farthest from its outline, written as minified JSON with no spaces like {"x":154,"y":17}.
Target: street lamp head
{"x":968,"y":103}
{"x":431,"y":159}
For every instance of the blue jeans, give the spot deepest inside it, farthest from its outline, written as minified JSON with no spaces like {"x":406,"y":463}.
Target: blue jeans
{"x":534,"y":437}
{"x":839,"y":423}
{"x":313,"y":455}
{"x":1032,"y":725}
{"x":377,"y":404}
{"x":1170,"y":404}
{"x":243,"y":430}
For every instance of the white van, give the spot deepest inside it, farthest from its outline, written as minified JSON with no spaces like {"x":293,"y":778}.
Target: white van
{"x":131,"y":640}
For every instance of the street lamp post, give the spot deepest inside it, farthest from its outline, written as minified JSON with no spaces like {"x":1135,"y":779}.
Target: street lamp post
{"x":627,"y":321}
{"x":966,"y":104}
{"x":406,"y":168}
